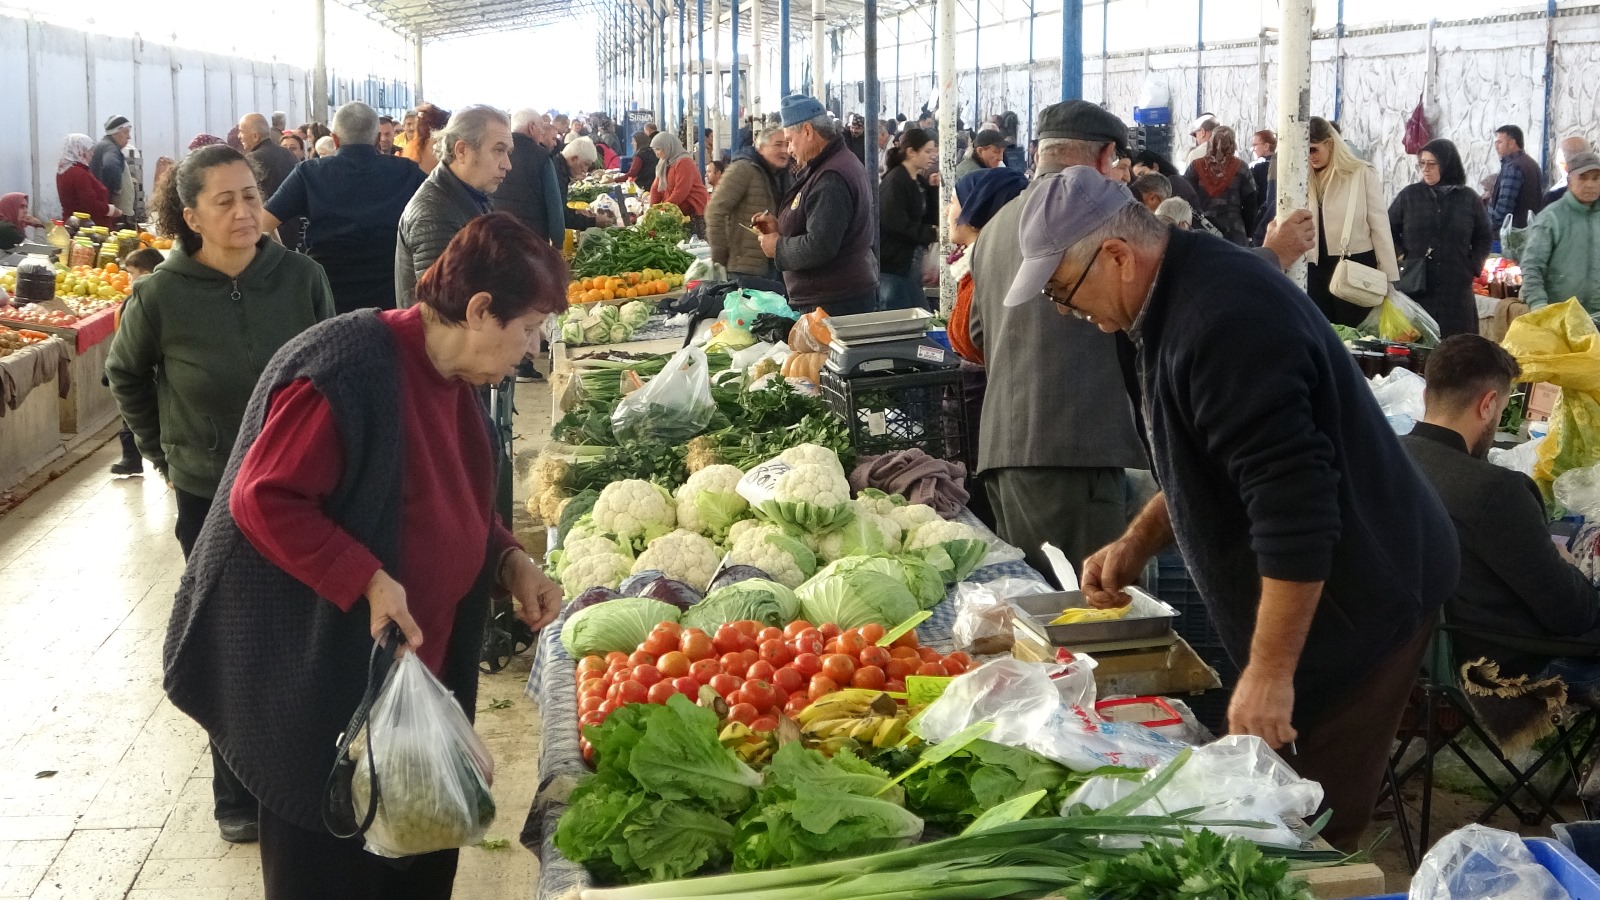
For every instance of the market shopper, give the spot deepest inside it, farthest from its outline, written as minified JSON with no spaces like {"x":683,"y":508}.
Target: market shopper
{"x":978,"y":197}
{"x":107,"y":163}
{"x":77,"y":188}
{"x":908,"y":220}
{"x":1562,"y":258}
{"x":1200,"y":131}
{"x":1439,"y":225}
{"x":193,"y":339}
{"x":1149,"y":162}
{"x":352,"y":201}
{"x":1226,"y":188}
{"x":1263,"y":145}
{"x":476,"y":144}
{"x":1344,"y":190}
{"x":1520,"y":187}
{"x":757,"y":178}
{"x":407,"y":133}
{"x":988,"y":151}
{"x":360,"y":498}
{"x":15,"y":220}
{"x":1521,"y":602}
{"x":295,"y":144}
{"x":530,"y":190}
{"x":821,"y":235}
{"x":421,"y":149}
{"x":1152,"y":190}
{"x":1569,"y":147}
{"x":678,"y":180}
{"x":855,"y":136}
{"x":1322,"y":555}
{"x":642,"y":170}
{"x":273,"y":164}
{"x":386,"y":129}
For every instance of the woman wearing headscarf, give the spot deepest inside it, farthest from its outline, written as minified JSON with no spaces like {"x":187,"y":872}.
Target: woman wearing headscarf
{"x":1344,"y":187}
{"x":1226,"y":189}
{"x":77,"y":188}
{"x":978,"y":197}
{"x":1439,"y":225}
{"x":430,"y":118}
{"x":642,"y":171}
{"x":678,"y":180}
{"x":15,"y":220}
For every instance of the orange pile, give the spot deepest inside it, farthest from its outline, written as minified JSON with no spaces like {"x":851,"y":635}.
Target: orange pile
{"x":627,"y":286}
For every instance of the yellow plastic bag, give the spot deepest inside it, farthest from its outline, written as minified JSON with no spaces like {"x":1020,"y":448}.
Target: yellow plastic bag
{"x":1560,"y":345}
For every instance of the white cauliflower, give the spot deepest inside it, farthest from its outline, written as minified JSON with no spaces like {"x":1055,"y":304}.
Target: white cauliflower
{"x":788,"y":561}
{"x":954,"y":548}
{"x":709,"y":502}
{"x":914,"y":516}
{"x":870,"y":533}
{"x":607,"y":569}
{"x":581,"y":548}
{"x":743,"y":527}
{"x":941,"y":531}
{"x":810,"y":498}
{"x":635,"y":510}
{"x":872,"y":500}
{"x":684,"y":555}
{"x":811,"y":454}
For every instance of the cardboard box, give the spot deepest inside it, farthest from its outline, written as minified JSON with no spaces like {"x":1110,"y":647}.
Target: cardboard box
{"x":1541,"y":400}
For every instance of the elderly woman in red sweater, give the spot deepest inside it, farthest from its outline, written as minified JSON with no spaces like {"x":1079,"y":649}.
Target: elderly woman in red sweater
{"x":360,"y":495}
{"x":77,"y":188}
{"x":678,"y":180}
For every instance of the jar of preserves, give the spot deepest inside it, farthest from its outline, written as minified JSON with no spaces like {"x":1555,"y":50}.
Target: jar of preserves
{"x":83,"y":252}
{"x":81,"y":221}
{"x":107,"y":255}
{"x":36,"y":280}
{"x":127,"y":242}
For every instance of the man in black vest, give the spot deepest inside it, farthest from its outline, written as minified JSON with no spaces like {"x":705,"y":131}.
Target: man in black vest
{"x":822,"y":234}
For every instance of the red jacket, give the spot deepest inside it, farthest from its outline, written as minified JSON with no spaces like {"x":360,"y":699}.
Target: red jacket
{"x":80,"y":191}
{"x":688,"y":192}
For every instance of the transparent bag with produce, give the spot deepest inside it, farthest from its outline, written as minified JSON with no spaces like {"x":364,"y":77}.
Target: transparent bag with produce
{"x":1401,"y":319}
{"x":1477,"y":861}
{"x":1558,"y":344}
{"x":672,"y":407}
{"x":983,"y":615}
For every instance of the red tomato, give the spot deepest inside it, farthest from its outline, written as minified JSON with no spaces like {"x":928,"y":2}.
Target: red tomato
{"x":808,"y":664}
{"x":765,"y":724}
{"x":647,"y":675}
{"x":736,"y":697}
{"x":875,"y":656}
{"x":696,"y":645}
{"x":748,"y":626}
{"x":611,"y":693}
{"x":759,"y":693}
{"x":686,"y":686}
{"x":728,"y":639}
{"x":660,"y":691}
{"x":620,"y":675}
{"x":641,"y":658}
{"x":659,"y":644}
{"x":961,"y":656}
{"x":929,"y":655}
{"x":821,"y":685}
{"x":953,"y":666}
{"x":591,"y":684}
{"x":671,"y":629}
{"x":903,"y":653}
{"x":789,"y":679}
{"x":780,"y":698}
{"x":776,"y":652}
{"x":796,"y":703}
{"x":839,"y":667}
{"x":829,"y":630}
{"x":703,"y":670}
{"x":616,"y":656}
{"x":591,"y":664}
{"x":809,"y":640}
{"x":872,"y":631}
{"x":592,"y":717}
{"x":851,"y":643}
{"x":725,"y":684}
{"x":673,"y":665}
{"x":607,"y":708}
{"x":895,"y":686}
{"x":931,"y":668}
{"x":769,"y":633}
{"x":632,"y":692}
{"x":734,"y":664}
{"x":909,"y":639}
{"x":794,"y":628}
{"x":751,"y":654}
{"x":742,"y":712}
{"x":830,"y":647}
{"x":588,"y":751}
{"x":761,"y":669}
{"x":899,"y":668}
{"x":869,"y":677}
{"x":590,"y":703}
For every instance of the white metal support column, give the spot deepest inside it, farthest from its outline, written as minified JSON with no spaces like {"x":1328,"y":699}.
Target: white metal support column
{"x":945,"y":42}
{"x":1294,"y":115}
{"x":819,"y":76}
{"x":758,"y":49}
{"x":416,"y":76}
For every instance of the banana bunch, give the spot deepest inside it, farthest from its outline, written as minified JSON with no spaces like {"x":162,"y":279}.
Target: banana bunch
{"x":753,"y":748}
{"x":1077,"y":615}
{"x":863,"y":717}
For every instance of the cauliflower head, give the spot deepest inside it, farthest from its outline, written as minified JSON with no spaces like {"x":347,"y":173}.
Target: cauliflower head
{"x":683,"y":555}
{"x":770,"y":549}
{"x":941,"y":531}
{"x":913,"y":516}
{"x":810,"y":498}
{"x":954,"y":548}
{"x":599,"y":569}
{"x":709,"y":502}
{"x":811,"y":454}
{"x":635,"y":510}
{"x":582,"y":547}
{"x":875,"y":501}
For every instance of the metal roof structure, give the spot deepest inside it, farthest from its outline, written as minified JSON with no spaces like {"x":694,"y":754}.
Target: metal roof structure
{"x":444,"y":19}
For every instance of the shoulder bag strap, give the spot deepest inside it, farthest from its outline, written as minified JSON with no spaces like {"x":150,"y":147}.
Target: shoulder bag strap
{"x":377,"y":666}
{"x":1349,"y":220}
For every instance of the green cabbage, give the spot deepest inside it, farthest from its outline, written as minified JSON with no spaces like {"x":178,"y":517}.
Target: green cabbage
{"x":957,"y":559}
{"x":855,"y":597}
{"x":767,"y":602}
{"x":620,"y":624}
{"x":571,"y":330}
{"x":636,"y":313}
{"x":919,"y":576}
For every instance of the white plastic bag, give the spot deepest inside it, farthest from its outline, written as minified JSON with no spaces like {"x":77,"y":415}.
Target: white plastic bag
{"x":1476,"y":862}
{"x":983,"y":617}
{"x":432,"y":770}
{"x":674,"y":406}
{"x":1238,"y":778}
{"x":1579,"y":491}
{"x":1402,"y":319}
{"x":1399,"y":395}
{"x":1520,"y":458}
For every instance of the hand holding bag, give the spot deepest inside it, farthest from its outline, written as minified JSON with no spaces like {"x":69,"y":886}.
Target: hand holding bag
{"x":1355,"y":282}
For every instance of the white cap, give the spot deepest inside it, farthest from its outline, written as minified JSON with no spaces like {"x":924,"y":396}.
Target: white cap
{"x":1206,"y":121}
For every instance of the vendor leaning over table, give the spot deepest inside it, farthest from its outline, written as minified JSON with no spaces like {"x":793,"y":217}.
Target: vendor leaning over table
{"x":1320,"y":551}
{"x":360,"y":496}
{"x":1521,"y":602}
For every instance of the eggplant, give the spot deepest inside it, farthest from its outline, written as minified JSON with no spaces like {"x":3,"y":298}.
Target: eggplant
{"x":668,"y":590}
{"x":634,"y":585}
{"x":592,"y":596}
{"x":736,"y":574}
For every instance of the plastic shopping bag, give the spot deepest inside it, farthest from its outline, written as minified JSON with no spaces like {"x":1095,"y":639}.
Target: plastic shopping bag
{"x":1513,"y":240}
{"x":418,"y":759}
{"x":983,"y":615}
{"x":742,"y":308}
{"x":1399,"y":396}
{"x":1475,"y":862}
{"x":1400,"y":318}
{"x":1559,"y":344}
{"x":674,"y":406}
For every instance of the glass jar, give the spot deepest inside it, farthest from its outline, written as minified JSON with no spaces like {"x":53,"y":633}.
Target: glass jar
{"x":83,"y":252}
{"x":127,"y":242}
{"x":107,"y":255}
{"x":81,"y":221}
{"x":36,"y":280}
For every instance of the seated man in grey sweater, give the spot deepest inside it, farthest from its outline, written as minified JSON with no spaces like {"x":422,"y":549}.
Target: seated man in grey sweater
{"x":1520,"y":602}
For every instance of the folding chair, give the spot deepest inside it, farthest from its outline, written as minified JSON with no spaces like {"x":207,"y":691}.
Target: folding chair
{"x":1440,"y":716}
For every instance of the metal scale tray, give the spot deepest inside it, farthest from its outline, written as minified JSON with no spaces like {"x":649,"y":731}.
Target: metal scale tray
{"x":880,"y":341}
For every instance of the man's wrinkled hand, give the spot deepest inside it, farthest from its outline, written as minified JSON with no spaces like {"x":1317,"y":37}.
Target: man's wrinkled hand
{"x":769,"y":245}
{"x":1262,"y":705}
{"x":1108,"y":572}
{"x":1292,"y":237}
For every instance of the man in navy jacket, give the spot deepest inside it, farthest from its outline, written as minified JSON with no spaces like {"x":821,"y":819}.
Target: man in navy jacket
{"x":1322,"y":554}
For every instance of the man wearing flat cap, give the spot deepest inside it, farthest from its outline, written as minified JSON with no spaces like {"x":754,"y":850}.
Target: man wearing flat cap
{"x":821,"y":235}
{"x":1320,"y":551}
{"x":108,"y":164}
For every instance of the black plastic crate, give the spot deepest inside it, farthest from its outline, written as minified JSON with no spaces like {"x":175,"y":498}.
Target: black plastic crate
{"x":1168,"y":578}
{"x":904,"y":410}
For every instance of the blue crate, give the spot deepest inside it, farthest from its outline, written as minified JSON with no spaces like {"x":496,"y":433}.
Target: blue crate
{"x":1582,"y":882}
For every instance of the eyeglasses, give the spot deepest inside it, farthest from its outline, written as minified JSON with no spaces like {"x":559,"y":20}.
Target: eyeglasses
{"x":1066,"y":302}
{"x":1424,"y":164}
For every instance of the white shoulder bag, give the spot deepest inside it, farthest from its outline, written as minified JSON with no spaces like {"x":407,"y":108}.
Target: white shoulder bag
{"x":1355,"y":282}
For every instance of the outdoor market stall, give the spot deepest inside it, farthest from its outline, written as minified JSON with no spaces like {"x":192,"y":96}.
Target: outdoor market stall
{"x":35,"y":378}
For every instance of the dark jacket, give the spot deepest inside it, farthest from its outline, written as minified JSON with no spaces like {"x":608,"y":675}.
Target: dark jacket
{"x":1446,"y":224}
{"x":191,"y":346}
{"x":531,"y":187}
{"x":1276,"y":462}
{"x":825,"y":248}
{"x":857,"y":144}
{"x":270,"y":670}
{"x":1259,"y":171}
{"x":748,"y":187}
{"x":1518,"y":191}
{"x":273,"y":164}
{"x":643,"y":168}
{"x":107,"y":164}
{"x":440,"y":208}
{"x":908,"y":219}
{"x":1518,"y":602}
{"x":1234,"y":210}
{"x":574,"y":220}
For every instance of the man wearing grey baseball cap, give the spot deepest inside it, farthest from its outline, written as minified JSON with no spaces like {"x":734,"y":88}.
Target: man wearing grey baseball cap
{"x":1564,"y":242}
{"x":1320,"y":552}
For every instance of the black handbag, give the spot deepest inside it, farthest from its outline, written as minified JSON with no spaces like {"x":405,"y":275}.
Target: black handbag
{"x":1414,"y":275}
{"x":338,"y":806}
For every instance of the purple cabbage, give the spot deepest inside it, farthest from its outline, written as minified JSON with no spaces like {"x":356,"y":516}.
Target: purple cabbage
{"x":736,"y":574}
{"x":634,"y":585}
{"x":592,"y":596}
{"x":668,"y":590}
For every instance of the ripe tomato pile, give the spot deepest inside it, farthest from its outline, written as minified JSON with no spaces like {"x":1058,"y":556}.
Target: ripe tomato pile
{"x":761,"y":671}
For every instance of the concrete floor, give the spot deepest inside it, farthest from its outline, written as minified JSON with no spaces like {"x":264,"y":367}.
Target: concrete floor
{"x":105,"y":787}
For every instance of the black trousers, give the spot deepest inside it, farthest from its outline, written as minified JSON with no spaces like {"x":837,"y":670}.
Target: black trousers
{"x":232,"y":798}
{"x":297,"y":864}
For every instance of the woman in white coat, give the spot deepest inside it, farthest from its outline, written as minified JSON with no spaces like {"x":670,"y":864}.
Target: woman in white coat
{"x":1344,"y":189}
